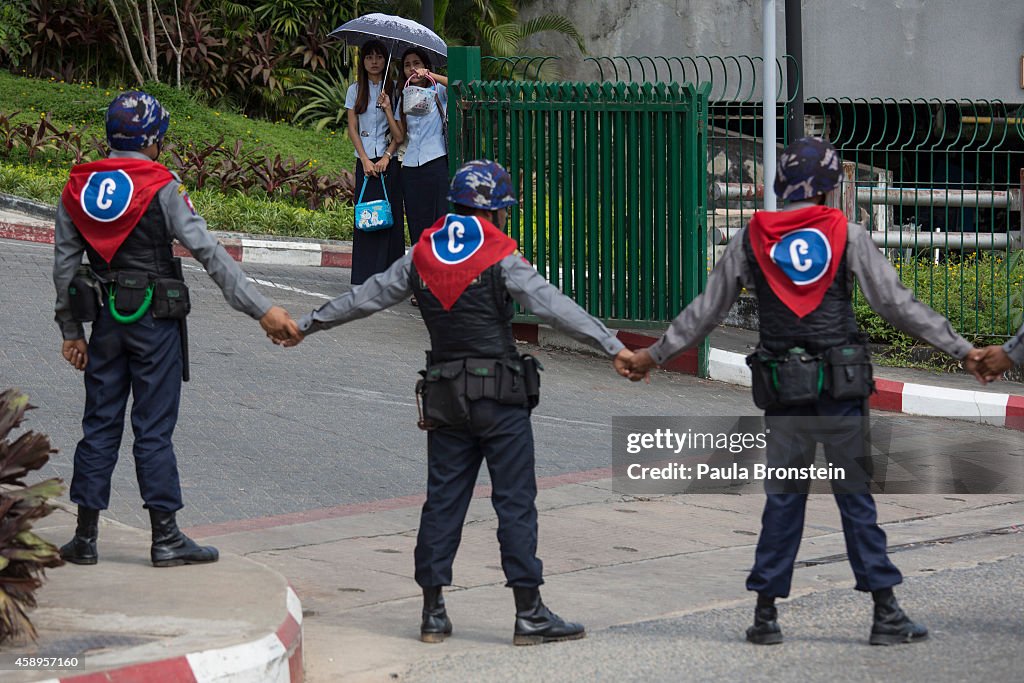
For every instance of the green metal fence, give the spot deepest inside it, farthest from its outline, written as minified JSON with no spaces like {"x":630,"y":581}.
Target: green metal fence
{"x":937,"y":182}
{"x":611,"y":178}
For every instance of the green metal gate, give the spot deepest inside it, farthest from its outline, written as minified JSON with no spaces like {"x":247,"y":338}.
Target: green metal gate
{"x":612,"y":184}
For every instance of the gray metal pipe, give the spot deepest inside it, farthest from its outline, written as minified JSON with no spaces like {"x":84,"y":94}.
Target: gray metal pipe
{"x":909,"y":239}
{"x":897,"y":196}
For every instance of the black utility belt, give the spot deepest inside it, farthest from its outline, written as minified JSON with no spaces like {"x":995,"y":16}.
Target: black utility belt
{"x":129,"y":295}
{"x":798,"y":377}
{"x":448,"y":387}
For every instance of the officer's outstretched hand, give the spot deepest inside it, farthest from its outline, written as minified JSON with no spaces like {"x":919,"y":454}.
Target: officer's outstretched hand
{"x":640,"y":366}
{"x":279,"y":326}
{"x":75,"y":352}
{"x":992,"y":362}
{"x":972,"y":364}
{"x":621,"y":362}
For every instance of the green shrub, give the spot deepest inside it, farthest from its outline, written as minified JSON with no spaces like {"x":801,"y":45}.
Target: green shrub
{"x":981,"y":294}
{"x":262,"y":216}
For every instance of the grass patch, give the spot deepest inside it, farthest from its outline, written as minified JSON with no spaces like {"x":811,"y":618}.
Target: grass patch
{"x":83,"y":104}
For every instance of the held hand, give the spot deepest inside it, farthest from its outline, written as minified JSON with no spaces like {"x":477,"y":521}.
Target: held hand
{"x":382,"y":165}
{"x":294,"y":340}
{"x":384,"y":102}
{"x":621,"y":362}
{"x":75,"y":352}
{"x":992,"y":362}
{"x":278,"y":325}
{"x":972,"y":364}
{"x":369,"y":168}
{"x":640,"y":366}
{"x":421,"y":73}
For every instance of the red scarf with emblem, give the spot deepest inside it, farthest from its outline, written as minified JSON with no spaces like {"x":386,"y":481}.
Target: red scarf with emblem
{"x":769,"y":228}
{"x":454,"y":251}
{"x":106,"y":237}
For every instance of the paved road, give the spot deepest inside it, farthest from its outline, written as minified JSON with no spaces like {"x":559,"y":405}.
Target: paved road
{"x":266,"y":431}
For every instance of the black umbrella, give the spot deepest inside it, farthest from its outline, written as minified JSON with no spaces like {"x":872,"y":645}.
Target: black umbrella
{"x":397,"y":33}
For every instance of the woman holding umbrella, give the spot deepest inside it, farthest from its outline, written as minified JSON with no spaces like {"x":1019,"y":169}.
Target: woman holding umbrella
{"x":370,"y":119}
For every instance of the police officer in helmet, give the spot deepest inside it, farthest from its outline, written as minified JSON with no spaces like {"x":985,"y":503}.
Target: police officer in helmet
{"x":477,"y":391}
{"x":124,"y":212}
{"x":801,"y":262}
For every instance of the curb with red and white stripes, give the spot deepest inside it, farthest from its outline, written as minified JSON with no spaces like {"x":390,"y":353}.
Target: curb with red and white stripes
{"x":243,"y":249}
{"x":275,"y":658}
{"x":1002,"y":410}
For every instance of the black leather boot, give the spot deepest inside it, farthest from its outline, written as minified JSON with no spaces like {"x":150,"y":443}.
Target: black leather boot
{"x":536,"y":624}
{"x":765,"y":630}
{"x":82,"y":548}
{"x":436,"y":626}
{"x":171,"y":547}
{"x":892,"y":626}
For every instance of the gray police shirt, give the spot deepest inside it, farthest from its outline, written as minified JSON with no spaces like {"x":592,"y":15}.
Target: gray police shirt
{"x":185,"y":226}
{"x":521,"y":279}
{"x":877,"y":278}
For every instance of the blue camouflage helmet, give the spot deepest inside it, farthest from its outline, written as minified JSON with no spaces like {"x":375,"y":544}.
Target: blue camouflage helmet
{"x":808,"y":167}
{"x":482,"y":184}
{"x":135,"y":120}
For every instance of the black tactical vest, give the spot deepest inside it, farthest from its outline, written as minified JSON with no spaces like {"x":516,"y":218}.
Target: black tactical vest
{"x":479,"y":325}
{"x":147,"y":248}
{"x":832,"y":323}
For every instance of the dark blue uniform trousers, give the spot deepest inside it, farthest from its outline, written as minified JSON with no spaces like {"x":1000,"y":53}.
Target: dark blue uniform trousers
{"x":502,"y":436}
{"x":143,"y":358}
{"x":783,"y":520}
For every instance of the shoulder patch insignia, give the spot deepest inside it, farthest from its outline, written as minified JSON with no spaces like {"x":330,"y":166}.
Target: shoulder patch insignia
{"x":188,"y":200}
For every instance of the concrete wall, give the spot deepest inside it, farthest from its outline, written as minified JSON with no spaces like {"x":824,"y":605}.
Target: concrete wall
{"x":855,"y":48}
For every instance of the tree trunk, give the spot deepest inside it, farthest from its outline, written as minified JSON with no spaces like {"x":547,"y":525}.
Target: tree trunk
{"x":152,"y":37}
{"x":127,"y":45}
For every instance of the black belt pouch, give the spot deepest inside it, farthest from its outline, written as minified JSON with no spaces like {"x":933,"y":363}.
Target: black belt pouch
{"x":512,"y":384}
{"x":83,"y":296}
{"x":481,"y":378}
{"x":761,"y":363}
{"x":444,"y":394}
{"x":799,"y":378}
{"x":131,"y":291}
{"x":850,"y":373}
{"x":170,"y":299}
{"x":531,"y":375}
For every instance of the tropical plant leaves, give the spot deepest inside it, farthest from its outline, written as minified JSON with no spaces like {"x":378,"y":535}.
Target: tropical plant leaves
{"x":23,"y":554}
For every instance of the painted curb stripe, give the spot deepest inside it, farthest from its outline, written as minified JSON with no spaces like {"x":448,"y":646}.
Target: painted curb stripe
{"x":1004,"y":410}
{"x":281,"y":253}
{"x":175,"y":670}
{"x":268,"y":252}
{"x":275,"y":658}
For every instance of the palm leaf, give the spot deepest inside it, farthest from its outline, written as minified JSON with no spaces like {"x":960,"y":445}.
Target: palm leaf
{"x":503,"y":39}
{"x":552,"y":22}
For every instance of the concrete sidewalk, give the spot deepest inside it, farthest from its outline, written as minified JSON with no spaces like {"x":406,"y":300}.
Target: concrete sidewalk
{"x":609,"y":560}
